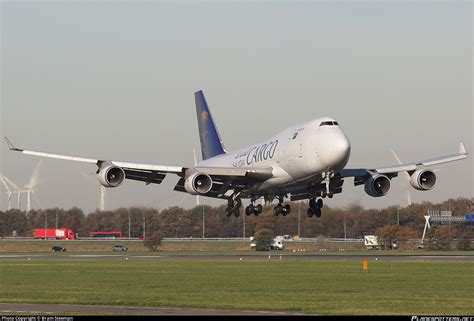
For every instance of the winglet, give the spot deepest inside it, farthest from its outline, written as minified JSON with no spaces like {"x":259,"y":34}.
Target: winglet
{"x":462,"y":149}
{"x":10,"y":145}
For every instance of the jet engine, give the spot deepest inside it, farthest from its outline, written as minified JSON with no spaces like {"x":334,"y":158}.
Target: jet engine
{"x":111,"y":176}
{"x":198,"y":183}
{"x":423,"y":179}
{"x":377,"y":185}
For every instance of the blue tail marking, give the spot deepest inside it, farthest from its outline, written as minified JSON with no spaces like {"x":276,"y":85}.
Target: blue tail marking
{"x":211,"y":144}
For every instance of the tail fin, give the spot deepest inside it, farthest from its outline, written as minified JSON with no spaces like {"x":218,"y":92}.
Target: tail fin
{"x":211,"y":144}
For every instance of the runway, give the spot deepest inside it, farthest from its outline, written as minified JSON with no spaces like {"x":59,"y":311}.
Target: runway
{"x":55,"y":309}
{"x":272,"y":256}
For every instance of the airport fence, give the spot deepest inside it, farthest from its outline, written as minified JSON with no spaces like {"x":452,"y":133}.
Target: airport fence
{"x":192,"y":239}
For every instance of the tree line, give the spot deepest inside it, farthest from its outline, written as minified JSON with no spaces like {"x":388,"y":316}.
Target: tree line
{"x":354,"y":221}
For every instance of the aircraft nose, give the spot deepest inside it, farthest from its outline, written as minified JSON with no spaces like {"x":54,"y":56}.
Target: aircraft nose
{"x":336,"y":151}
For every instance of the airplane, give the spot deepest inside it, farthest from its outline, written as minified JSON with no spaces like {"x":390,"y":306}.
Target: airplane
{"x":304,"y":161}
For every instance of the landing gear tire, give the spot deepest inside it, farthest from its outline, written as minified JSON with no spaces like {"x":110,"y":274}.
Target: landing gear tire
{"x":258,"y":209}
{"x":316,"y":203}
{"x":286,"y":210}
{"x":236,"y":211}
{"x":253,"y":209}
{"x":278,"y":210}
{"x":330,"y":194}
{"x":315,"y":207}
{"x":237,"y":203}
{"x":317,"y":212}
{"x":249,"y":210}
{"x":233,"y":207}
{"x":319,"y":203}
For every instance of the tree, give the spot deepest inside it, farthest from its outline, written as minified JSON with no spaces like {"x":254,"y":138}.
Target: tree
{"x":439,"y":240}
{"x":464,"y":243}
{"x":387,"y":233}
{"x":153,"y":241}
{"x":263,"y":239}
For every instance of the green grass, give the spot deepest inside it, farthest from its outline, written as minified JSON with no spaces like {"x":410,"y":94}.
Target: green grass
{"x":315,"y":287}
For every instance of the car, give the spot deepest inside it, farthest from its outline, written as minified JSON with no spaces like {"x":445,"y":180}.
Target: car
{"x":58,"y":249}
{"x":287,"y":238}
{"x":118,"y":248}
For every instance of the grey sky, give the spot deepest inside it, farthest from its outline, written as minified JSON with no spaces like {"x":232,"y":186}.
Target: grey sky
{"x":116,"y":80}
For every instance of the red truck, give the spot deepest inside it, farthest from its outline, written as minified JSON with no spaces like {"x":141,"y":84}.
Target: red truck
{"x":55,"y":233}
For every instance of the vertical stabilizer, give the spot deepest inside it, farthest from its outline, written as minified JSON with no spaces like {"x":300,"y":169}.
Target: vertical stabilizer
{"x":211,"y":144}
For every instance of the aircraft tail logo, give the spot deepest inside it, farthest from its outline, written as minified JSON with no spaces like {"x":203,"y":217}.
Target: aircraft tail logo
{"x":211,"y":144}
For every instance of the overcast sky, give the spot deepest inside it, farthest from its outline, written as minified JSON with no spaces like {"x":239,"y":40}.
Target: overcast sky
{"x":115,"y":81}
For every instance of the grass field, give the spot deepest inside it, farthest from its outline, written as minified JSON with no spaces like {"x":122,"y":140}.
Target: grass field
{"x":313,"y":287}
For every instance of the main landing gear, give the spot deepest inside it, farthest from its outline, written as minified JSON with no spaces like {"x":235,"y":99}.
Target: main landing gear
{"x":253,"y":209}
{"x":233,"y":207}
{"x":280,"y":208}
{"x":315,"y":207}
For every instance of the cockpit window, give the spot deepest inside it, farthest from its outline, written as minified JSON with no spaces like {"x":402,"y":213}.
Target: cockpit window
{"x":328,"y":123}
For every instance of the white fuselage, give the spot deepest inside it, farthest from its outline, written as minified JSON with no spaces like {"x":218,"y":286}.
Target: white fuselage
{"x":296,"y":153}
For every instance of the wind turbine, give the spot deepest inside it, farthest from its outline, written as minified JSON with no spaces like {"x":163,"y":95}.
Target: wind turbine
{"x":101,"y":196}
{"x":406,"y":178}
{"x":30,"y":187}
{"x":9,"y":192}
{"x":15,"y":187}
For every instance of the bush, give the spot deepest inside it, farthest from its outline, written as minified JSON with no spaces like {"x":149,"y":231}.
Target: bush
{"x":464,"y":243}
{"x":263,"y":239}
{"x":154,"y":241}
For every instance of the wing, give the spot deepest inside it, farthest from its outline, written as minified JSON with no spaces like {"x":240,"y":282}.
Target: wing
{"x":140,"y":172}
{"x":392,"y":171}
{"x":223,"y":178}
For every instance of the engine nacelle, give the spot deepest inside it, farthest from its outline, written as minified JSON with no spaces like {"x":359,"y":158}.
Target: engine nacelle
{"x":423,"y":179}
{"x":377,"y":185}
{"x":198,"y":183}
{"x":111,"y":176}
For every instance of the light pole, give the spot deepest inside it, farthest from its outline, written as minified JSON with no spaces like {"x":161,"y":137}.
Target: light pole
{"x":299,"y":218}
{"x":129,"y":224}
{"x":345,"y":229}
{"x":243,"y":217}
{"x":45,"y":223}
{"x":203,"y":222}
{"x":144,"y":226}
